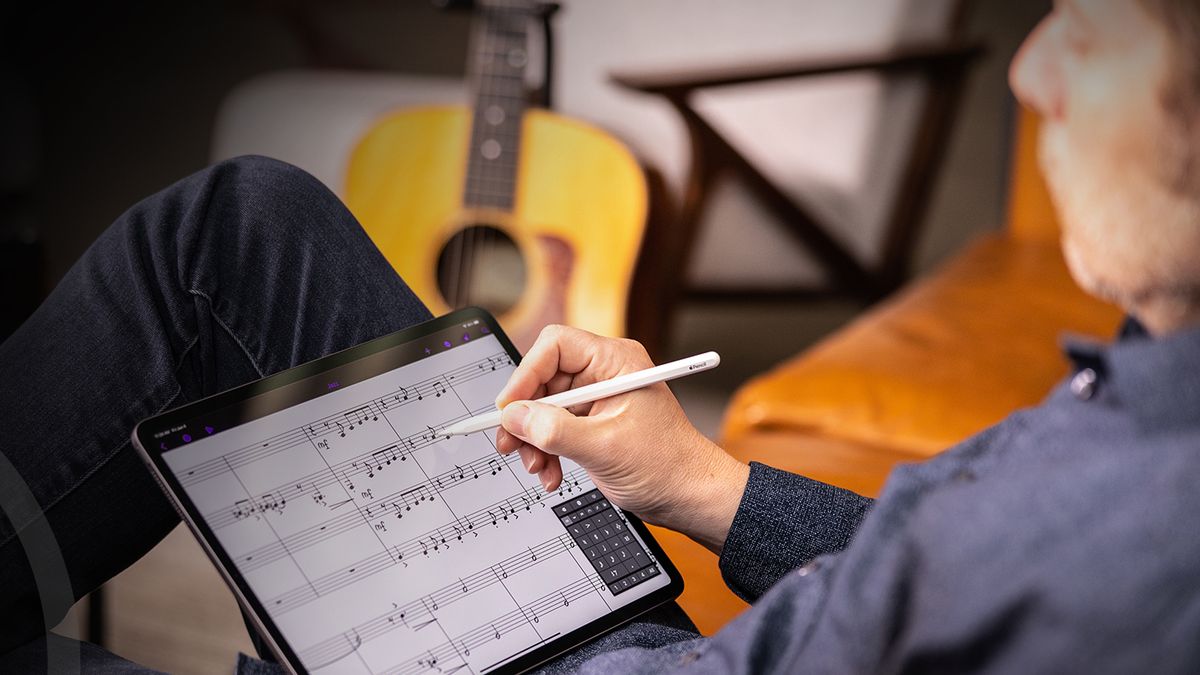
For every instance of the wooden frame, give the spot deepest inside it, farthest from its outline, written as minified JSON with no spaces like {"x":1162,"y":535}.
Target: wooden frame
{"x":659,"y":281}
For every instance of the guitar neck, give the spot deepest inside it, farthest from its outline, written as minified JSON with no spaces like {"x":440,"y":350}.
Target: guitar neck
{"x":500,"y":51}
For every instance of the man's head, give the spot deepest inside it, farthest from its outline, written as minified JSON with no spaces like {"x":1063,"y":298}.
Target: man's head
{"x":1117,"y":83}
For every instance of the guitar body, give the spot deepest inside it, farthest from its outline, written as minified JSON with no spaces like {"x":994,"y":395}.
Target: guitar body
{"x":577,"y":218}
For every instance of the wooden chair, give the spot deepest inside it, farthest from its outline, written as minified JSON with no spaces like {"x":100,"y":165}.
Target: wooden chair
{"x":932,"y":59}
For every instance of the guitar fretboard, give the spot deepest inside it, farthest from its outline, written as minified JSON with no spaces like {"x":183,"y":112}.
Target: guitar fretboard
{"x":500,"y":56}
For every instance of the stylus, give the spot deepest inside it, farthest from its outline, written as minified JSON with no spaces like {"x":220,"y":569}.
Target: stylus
{"x":598,"y":390}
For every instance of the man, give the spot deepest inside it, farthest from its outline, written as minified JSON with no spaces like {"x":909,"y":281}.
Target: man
{"x":1063,"y":539}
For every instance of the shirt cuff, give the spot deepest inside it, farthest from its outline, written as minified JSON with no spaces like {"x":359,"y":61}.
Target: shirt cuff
{"x":784,"y":521}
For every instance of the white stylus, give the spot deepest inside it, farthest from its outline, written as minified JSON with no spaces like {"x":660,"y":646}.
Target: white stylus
{"x":598,"y":390}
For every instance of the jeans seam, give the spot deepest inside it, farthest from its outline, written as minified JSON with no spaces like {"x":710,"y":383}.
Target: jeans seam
{"x":212,"y":310}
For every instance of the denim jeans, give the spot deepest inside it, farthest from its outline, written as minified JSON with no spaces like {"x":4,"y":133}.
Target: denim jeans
{"x":237,"y":272}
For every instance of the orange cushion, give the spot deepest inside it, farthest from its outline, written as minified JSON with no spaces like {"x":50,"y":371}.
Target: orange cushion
{"x":849,"y":464}
{"x":950,"y":355}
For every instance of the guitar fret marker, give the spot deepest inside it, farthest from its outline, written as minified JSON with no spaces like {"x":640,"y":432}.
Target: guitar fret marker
{"x":490,"y":149}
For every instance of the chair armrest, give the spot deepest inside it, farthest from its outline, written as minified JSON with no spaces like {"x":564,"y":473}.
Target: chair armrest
{"x":916,"y":56}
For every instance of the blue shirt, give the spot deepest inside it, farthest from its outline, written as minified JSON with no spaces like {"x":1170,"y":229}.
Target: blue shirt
{"x":1064,"y":539}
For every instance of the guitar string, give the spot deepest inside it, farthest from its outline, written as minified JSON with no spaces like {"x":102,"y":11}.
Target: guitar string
{"x":488,"y":234}
{"x":491,"y":84}
{"x":474,"y":163}
{"x":487,"y":79}
{"x":482,"y":65}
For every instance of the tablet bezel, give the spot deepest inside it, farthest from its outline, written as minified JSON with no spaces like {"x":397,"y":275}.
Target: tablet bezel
{"x":143,"y":440}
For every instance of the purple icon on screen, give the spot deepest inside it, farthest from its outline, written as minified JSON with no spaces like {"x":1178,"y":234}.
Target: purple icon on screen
{"x":427,"y":350}
{"x":208,"y":430}
{"x":187,"y":438}
{"x":466,"y":336}
{"x":446,"y":343}
{"x":484,"y":329}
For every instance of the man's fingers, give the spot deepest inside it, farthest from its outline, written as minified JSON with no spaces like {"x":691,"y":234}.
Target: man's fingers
{"x":531,"y":458}
{"x":558,"y":348}
{"x":551,"y":474}
{"x":560,"y":383}
{"x":547,"y":427}
{"x":506,"y":442}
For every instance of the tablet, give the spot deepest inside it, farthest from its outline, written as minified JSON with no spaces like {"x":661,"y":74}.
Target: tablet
{"x":359,"y":540}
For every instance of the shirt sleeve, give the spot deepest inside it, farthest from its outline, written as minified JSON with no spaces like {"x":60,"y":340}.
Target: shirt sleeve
{"x":784,"y":521}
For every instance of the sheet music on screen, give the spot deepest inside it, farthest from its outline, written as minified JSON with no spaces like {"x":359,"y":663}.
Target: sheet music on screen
{"x":378,"y":546}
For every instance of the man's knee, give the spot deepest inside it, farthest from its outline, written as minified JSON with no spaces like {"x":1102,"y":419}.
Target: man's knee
{"x":267,"y":197}
{"x":267,"y":186}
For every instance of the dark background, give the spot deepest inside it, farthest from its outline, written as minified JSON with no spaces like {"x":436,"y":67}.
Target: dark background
{"x":105,"y":103}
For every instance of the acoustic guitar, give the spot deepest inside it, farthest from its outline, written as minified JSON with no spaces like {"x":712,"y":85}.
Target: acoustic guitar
{"x":533,"y":216}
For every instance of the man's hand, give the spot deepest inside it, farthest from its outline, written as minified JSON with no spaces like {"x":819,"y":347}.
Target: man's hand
{"x":639,"y":447}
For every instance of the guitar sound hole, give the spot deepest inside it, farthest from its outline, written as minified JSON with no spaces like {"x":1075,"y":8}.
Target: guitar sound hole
{"x":482,"y":266}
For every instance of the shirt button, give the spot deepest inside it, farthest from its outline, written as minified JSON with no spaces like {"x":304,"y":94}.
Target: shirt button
{"x":1083,"y":385}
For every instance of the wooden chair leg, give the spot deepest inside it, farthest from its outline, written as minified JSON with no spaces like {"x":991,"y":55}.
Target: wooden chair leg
{"x":648,"y":312}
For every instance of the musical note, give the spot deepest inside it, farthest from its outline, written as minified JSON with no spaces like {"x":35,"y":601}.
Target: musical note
{"x":415,"y":496}
{"x":244,"y":508}
{"x":382,"y":458}
{"x":359,"y":416}
{"x":274,"y":501}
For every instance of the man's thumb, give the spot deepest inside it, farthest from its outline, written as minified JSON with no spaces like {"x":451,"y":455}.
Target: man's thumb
{"x":547,"y":427}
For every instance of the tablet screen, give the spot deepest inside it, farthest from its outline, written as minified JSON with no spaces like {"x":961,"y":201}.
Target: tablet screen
{"x":375,"y":545}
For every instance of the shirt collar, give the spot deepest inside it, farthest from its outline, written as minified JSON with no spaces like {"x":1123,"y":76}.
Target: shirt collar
{"x":1157,"y":379}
